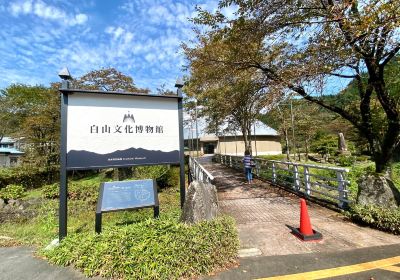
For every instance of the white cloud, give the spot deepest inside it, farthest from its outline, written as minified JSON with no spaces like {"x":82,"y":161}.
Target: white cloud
{"x":45,"y":11}
{"x":141,"y":39}
{"x":81,"y":18}
{"x":115,"y":31}
{"x":150,"y":57}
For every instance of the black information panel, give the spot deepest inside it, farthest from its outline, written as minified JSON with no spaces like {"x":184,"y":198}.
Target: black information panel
{"x":125,"y":195}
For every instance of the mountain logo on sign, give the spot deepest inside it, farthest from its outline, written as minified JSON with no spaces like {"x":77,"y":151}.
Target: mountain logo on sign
{"x":129,"y":117}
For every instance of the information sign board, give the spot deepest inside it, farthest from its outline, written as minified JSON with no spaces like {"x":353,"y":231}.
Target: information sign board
{"x":126,"y":195}
{"x":116,"y":196}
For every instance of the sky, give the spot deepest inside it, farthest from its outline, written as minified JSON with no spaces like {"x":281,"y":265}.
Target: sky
{"x":140,"y":38}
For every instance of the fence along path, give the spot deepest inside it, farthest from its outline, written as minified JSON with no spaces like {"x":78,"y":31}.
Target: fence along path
{"x":264,"y":212}
{"x":325,"y":183}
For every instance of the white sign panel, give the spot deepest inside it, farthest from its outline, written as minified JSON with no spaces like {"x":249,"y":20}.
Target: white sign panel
{"x":105,"y":130}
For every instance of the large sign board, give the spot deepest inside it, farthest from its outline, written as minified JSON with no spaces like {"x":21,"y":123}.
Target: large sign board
{"x":111,"y":130}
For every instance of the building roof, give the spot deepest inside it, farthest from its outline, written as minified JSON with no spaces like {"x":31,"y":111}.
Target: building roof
{"x":7,"y":140}
{"x":11,"y":151}
{"x":261,"y":129}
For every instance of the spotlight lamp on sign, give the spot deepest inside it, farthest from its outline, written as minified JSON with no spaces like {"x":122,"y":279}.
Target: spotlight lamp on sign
{"x":65,"y":77}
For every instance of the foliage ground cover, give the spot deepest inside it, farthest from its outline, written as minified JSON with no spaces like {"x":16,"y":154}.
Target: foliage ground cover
{"x":151,"y":249}
{"x":27,"y":176}
{"x":133,"y":245}
{"x":377,"y":217}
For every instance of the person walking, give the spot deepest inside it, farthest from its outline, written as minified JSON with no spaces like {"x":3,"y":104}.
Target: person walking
{"x":248,"y":162}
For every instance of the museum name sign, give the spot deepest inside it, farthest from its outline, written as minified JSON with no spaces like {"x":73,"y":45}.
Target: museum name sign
{"x":119,"y":130}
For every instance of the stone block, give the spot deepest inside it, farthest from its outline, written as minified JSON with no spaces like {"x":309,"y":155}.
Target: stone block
{"x":377,"y":190}
{"x":201,"y":203}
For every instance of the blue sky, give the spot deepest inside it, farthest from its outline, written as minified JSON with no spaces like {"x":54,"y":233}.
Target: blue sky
{"x":140,"y":38}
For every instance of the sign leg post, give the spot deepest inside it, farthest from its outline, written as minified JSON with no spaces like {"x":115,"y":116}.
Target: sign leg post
{"x":62,"y":231}
{"x":98,"y":222}
{"x":156,"y":211}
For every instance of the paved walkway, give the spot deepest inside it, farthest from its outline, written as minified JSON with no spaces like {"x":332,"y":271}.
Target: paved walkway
{"x":264,"y":214}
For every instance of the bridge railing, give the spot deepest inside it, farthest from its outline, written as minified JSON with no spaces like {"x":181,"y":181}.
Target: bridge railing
{"x":322,"y":182}
{"x":198,"y":172}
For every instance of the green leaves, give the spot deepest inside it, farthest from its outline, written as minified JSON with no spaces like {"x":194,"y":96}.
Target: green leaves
{"x":12,"y":192}
{"x":381,"y":218}
{"x":160,"y":248}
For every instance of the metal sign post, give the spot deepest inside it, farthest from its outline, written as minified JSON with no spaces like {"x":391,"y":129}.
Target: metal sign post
{"x":179,"y":86}
{"x":63,"y":209}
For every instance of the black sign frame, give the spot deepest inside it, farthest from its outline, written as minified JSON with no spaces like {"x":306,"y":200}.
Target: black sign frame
{"x":65,"y":91}
{"x":99,"y":211}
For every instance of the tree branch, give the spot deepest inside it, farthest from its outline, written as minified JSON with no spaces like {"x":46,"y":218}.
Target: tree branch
{"x":389,"y":56}
{"x":346,"y":115}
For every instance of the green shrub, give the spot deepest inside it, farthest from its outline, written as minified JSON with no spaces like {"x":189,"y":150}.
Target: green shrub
{"x":81,"y":190}
{"x":386,"y":219}
{"x":326,"y":144}
{"x":273,"y":157}
{"x":150,"y":172}
{"x":87,"y":191}
{"x":345,"y":160}
{"x":27,"y":176}
{"x":12,"y":192}
{"x":51,"y":191}
{"x":169,"y":178}
{"x":152,"y":249}
{"x":396,"y":174}
{"x":363,"y":158}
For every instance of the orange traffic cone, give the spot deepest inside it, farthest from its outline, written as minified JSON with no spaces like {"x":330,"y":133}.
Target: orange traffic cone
{"x":305,"y":232}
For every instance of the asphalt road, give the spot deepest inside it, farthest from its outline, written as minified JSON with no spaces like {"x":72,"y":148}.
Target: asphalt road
{"x":264,"y":267}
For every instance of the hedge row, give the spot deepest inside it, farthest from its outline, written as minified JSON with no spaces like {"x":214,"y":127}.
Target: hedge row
{"x":28,"y":177}
{"x":385,"y":219}
{"x":152,"y":249}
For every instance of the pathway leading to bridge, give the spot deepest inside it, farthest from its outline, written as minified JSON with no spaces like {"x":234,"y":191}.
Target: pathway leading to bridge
{"x":264,"y":212}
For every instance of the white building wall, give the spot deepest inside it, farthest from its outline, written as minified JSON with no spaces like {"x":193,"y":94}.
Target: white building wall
{"x":4,"y":161}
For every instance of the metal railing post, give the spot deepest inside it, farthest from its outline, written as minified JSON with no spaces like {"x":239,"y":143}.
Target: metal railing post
{"x":341,"y":189}
{"x":257,"y":168}
{"x":296,"y":178}
{"x":273,"y":173}
{"x":307,"y":183}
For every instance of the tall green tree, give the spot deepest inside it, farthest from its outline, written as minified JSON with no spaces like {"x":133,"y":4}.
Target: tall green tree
{"x":229,"y":97}
{"x":299,"y":45}
{"x":107,"y":79}
{"x":32,"y":113}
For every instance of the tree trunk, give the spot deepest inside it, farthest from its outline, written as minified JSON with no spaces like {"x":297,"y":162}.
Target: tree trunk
{"x":287,"y":144}
{"x":306,"y":149}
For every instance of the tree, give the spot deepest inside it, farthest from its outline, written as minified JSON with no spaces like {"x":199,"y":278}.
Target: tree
{"x":233,"y":102}
{"x":162,"y":90}
{"x":298,"y":45}
{"x":108,"y":79}
{"x":32,"y":113}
